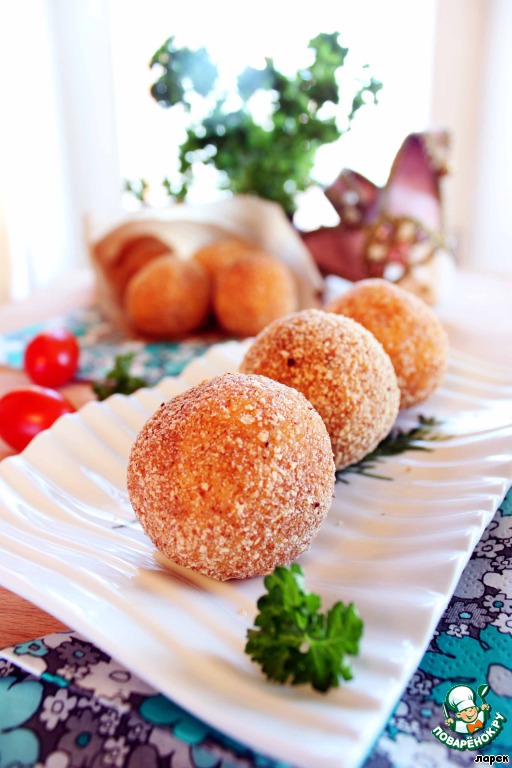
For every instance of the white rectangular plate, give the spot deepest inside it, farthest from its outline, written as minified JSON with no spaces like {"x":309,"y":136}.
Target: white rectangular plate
{"x":69,"y":543}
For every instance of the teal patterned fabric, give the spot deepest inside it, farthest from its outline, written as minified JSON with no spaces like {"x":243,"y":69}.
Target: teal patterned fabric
{"x":99,"y":345}
{"x":64,"y":703}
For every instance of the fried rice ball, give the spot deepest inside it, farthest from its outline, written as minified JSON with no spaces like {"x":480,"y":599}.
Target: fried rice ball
{"x":340,"y":367}
{"x":251,"y":292}
{"x":215,"y":256}
{"x":408,"y":329}
{"x":134,"y":254}
{"x":168,"y":297}
{"x":232,"y":477}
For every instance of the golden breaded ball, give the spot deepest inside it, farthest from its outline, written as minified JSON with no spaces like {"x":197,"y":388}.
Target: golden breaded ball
{"x":222,"y":253}
{"x":408,"y":329}
{"x":252,"y":292}
{"x":168,"y":297}
{"x":132,"y":256}
{"x":340,"y":367}
{"x":232,"y":477}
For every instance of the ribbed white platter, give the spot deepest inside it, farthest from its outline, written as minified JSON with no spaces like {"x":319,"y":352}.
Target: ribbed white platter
{"x":69,"y":543}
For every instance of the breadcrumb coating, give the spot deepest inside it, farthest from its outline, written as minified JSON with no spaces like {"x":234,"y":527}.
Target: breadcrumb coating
{"x":340,"y":367}
{"x":168,"y":297}
{"x":222,"y":253}
{"x":233,"y":476}
{"x":251,"y":292}
{"x":134,"y":254}
{"x":408,"y":329}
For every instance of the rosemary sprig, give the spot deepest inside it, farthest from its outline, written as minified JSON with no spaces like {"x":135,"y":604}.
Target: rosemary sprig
{"x":398,"y":441}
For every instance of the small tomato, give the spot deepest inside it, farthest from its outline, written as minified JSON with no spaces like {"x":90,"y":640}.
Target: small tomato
{"x":51,"y":357}
{"x":27,"y":411}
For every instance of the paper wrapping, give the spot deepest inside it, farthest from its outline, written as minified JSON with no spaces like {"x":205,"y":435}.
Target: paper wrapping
{"x":185,"y":228}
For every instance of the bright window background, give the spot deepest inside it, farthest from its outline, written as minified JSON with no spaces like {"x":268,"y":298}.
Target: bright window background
{"x":385,"y":36}
{"x":77,"y":117}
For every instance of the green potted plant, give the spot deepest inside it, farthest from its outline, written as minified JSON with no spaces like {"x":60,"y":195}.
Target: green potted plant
{"x":271,"y":156}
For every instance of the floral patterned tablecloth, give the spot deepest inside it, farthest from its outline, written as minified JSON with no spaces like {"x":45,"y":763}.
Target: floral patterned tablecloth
{"x":66,"y":704}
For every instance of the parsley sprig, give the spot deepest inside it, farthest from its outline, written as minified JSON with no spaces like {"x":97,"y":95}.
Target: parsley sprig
{"x":119,"y":379}
{"x":397,"y":442}
{"x":293,"y":642}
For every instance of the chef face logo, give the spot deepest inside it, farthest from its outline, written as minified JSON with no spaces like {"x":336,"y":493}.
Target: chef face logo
{"x":460,"y":704}
{"x":470,"y":716}
{"x":467,"y":716}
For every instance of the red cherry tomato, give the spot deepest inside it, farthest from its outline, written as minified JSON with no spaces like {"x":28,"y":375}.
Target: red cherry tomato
{"x":51,"y":358}
{"x":26,"y":412}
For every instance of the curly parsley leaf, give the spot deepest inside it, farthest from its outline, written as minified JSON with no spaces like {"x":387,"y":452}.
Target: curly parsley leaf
{"x":294,"y":642}
{"x":119,"y":379}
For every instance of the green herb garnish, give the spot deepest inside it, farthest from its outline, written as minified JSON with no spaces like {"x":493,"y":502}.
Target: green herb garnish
{"x":395,"y":443}
{"x":296,"y":643}
{"x":119,"y":379}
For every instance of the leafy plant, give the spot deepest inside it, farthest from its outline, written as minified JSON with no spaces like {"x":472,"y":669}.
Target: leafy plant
{"x":119,"y":379}
{"x":395,"y":443}
{"x":294,"y":642}
{"x":272,"y":156}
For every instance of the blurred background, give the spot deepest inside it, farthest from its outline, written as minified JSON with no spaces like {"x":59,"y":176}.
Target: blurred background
{"x":78,"y":121}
